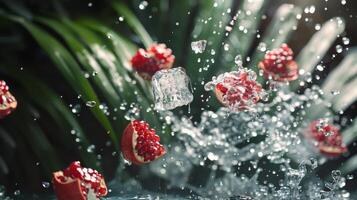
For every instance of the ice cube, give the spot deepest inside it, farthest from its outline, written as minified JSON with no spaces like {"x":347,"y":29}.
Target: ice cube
{"x":170,"y":87}
{"x":198,"y":46}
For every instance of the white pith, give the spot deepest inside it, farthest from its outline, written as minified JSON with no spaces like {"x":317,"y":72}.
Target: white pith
{"x":134,"y":142}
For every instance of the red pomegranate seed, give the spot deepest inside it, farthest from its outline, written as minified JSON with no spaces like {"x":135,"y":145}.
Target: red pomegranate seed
{"x":148,"y":62}
{"x":75,"y":182}
{"x":140,"y":144}
{"x":279,"y":64}
{"x":327,"y":136}
{"x":238,"y":90}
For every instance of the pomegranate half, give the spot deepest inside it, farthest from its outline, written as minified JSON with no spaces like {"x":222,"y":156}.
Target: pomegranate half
{"x":79,"y":183}
{"x":140,"y":144}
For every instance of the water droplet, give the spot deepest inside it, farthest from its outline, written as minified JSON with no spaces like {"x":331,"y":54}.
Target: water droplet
{"x":349,"y":177}
{"x":91,"y":104}
{"x":91,"y":148}
{"x":335,"y":92}
{"x":345,"y":40}
{"x":76,"y":109}
{"x":2,"y":191}
{"x":17,"y":192}
{"x":228,"y":28}
{"x":317,"y":27}
{"x":238,"y":61}
{"x":320,"y":68}
{"x":336,"y":174}
{"x":226,"y":47}
{"x":45,"y":184}
{"x":262,"y":47}
{"x":143,"y":5}
{"x":339,"y":48}
{"x":313,"y":163}
{"x":198,"y":46}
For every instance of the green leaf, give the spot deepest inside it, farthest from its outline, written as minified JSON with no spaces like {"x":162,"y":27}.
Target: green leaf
{"x":350,"y":134}
{"x":347,"y":96}
{"x":133,"y":22}
{"x":4,"y":170}
{"x":349,"y":166}
{"x":244,"y":24}
{"x":85,"y":58}
{"x":36,"y":138}
{"x":57,"y":110}
{"x":343,"y":72}
{"x":124,"y":50}
{"x":201,"y":67}
{"x":318,"y":45}
{"x":69,"y":68}
{"x":278,"y":32}
{"x":116,"y":72}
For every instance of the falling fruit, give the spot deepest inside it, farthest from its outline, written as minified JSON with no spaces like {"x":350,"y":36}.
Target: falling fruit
{"x":237,"y":90}
{"x":79,"y":183}
{"x":327,"y":137}
{"x":155,"y":58}
{"x":279,"y":65}
{"x":140,"y":144}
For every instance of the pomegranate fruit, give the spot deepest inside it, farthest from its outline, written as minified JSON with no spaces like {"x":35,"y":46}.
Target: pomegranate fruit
{"x":279,"y":65}
{"x":238,"y":90}
{"x":148,"y":62}
{"x":140,"y":144}
{"x":7,"y":102}
{"x":328,"y":138}
{"x":79,"y":183}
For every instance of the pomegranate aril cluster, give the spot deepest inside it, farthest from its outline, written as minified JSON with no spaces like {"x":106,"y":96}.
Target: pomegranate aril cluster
{"x":277,"y":58}
{"x":279,"y":64}
{"x":238,"y":90}
{"x":147,"y":145}
{"x":326,"y":134}
{"x":3,"y":87}
{"x":148,"y":62}
{"x":90,"y":179}
{"x":5,"y":96}
{"x":7,"y":101}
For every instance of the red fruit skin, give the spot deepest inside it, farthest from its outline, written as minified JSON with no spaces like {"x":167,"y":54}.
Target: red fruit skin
{"x":332,"y":151}
{"x":69,"y":190}
{"x":127,"y":146}
{"x":220,"y":91}
{"x":69,"y":187}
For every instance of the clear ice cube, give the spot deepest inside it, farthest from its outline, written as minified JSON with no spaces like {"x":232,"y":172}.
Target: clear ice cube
{"x":170,"y":87}
{"x":198,"y":46}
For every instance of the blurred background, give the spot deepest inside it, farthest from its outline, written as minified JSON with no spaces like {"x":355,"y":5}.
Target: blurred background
{"x":53,"y":126}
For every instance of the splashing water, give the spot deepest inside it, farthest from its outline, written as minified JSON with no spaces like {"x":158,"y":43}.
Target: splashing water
{"x":198,"y":46}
